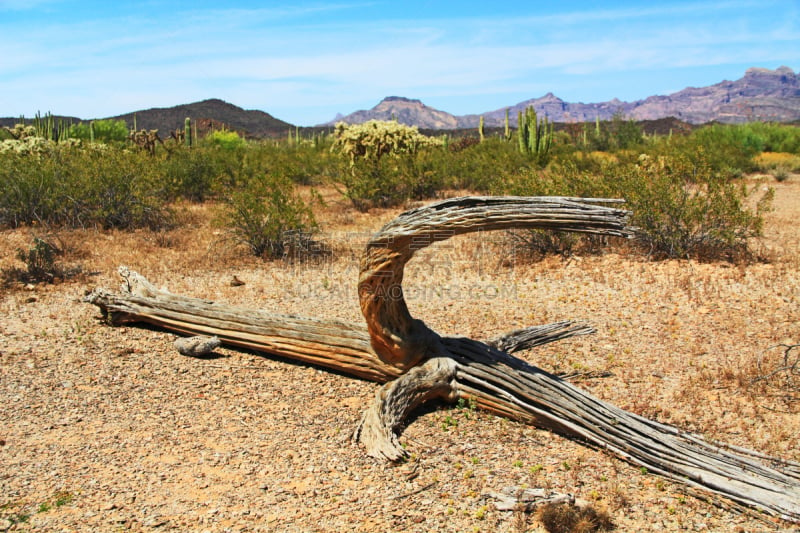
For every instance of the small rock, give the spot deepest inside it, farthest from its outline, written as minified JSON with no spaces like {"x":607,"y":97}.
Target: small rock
{"x":198,"y":346}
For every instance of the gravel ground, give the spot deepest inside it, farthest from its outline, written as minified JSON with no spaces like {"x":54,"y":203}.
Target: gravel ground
{"x":110,"y":429}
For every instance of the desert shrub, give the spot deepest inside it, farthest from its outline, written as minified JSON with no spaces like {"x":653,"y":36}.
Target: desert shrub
{"x":778,"y":164}
{"x":115,"y":189}
{"x":682,"y":208}
{"x":227,"y":140}
{"x":105,"y":130}
{"x":304,"y":163}
{"x":479,"y":166}
{"x":193,"y":173}
{"x":382,"y":161}
{"x":267,"y":216}
{"x":368,"y":183}
{"x":41,"y":261}
{"x":725,"y":149}
{"x":27,"y":189}
{"x":774,"y":137}
{"x":78,"y":187}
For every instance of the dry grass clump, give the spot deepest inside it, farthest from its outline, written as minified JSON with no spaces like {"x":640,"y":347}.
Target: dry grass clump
{"x":566,"y":518}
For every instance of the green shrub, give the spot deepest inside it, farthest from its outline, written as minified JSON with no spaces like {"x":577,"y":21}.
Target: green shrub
{"x":227,"y":140}
{"x":681,"y":207}
{"x":79,"y":187}
{"x":193,"y":174}
{"x":684,"y":209}
{"x":725,"y":149}
{"x":105,"y":130}
{"x":267,"y":216}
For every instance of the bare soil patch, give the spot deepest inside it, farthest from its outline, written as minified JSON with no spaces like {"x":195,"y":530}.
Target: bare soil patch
{"x":106,"y":429}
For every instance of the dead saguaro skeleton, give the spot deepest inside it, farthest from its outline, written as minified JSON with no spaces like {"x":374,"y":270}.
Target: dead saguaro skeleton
{"x":415,"y":364}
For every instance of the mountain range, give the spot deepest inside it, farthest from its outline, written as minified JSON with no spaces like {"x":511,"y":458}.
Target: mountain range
{"x":760,"y":95}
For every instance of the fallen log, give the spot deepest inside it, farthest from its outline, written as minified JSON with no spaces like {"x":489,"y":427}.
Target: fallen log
{"x":416,"y":364}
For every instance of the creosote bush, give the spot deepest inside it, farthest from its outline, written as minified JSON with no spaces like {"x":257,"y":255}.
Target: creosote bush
{"x":70,"y":186}
{"x":268,"y":217}
{"x":683,"y":189}
{"x":682,"y":207}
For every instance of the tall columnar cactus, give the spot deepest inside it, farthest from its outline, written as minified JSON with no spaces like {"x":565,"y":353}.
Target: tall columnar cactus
{"x":48,"y":128}
{"x":535,"y":137}
{"x":507,"y":129}
{"x":187,"y":132}
{"x":91,"y":131}
{"x":480,"y":129}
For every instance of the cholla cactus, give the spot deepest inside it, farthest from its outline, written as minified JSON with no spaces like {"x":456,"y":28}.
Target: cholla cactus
{"x":27,"y":145}
{"x":374,"y":139}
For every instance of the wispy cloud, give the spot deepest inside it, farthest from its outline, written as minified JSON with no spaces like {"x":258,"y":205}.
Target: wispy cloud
{"x":309,"y":61}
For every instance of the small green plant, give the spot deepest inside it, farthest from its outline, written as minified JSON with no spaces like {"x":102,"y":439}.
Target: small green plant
{"x":480,"y":514}
{"x":449,"y":422}
{"x":41,"y":263}
{"x":517,"y":464}
{"x":469,"y":403}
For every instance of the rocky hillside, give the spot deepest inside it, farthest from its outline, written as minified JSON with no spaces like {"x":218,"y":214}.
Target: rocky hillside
{"x":209,"y":114}
{"x":252,"y":123}
{"x":762,"y":94}
{"x":405,"y":111}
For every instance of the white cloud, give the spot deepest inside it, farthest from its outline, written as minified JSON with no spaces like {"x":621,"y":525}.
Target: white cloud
{"x":290,"y":59}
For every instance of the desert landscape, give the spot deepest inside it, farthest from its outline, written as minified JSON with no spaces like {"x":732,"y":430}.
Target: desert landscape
{"x":110,"y":428}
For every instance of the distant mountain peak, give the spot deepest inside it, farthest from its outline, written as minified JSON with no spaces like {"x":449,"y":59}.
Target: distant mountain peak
{"x":404,"y":110}
{"x":780,"y":71}
{"x":401,"y":99}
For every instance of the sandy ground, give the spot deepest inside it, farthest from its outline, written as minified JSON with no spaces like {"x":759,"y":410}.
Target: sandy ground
{"x":110,"y":429}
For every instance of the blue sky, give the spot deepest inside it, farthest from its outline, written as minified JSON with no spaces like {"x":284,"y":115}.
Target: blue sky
{"x":303,"y":62}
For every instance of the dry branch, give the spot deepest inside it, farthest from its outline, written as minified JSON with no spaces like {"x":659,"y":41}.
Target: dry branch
{"x":416,"y":364}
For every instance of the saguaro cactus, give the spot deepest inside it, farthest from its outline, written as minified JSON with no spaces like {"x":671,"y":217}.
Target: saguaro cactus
{"x":187,"y":132}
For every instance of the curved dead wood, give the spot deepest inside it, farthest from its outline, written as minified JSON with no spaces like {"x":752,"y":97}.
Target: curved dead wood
{"x":511,"y":387}
{"x":416,"y":364}
{"x":399,"y":339}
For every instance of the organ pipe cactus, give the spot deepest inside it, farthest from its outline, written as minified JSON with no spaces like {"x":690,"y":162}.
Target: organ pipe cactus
{"x":535,"y":137}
